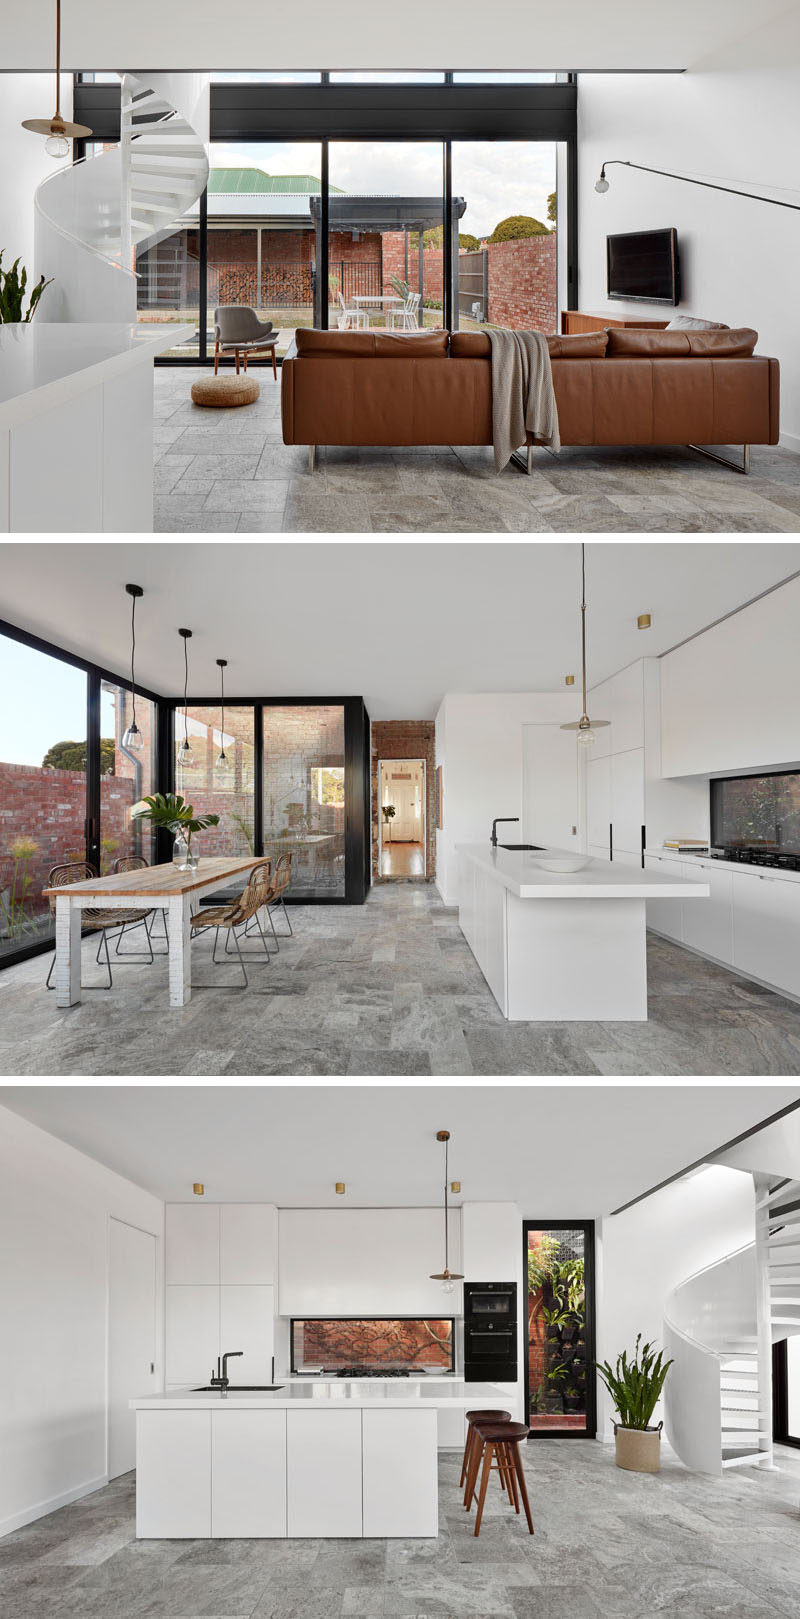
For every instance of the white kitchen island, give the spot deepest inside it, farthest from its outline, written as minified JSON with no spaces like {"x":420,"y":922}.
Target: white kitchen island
{"x":76,"y":425}
{"x":561,"y":947}
{"x":321,"y":1460}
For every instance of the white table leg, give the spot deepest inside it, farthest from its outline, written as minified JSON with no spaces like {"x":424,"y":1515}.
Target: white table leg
{"x":68,"y":952}
{"x":180,"y":950}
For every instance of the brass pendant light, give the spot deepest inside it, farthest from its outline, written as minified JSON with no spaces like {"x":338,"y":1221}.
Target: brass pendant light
{"x":584,"y":726}
{"x":447,"y":1277}
{"x":58,"y":131}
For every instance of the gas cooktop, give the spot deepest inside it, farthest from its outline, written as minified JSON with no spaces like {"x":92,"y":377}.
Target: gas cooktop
{"x":757,"y":857}
{"x":370,"y":1371}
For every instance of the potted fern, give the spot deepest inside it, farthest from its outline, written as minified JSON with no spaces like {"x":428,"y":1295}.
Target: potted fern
{"x":389,"y":813}
{"x":171,"y":811}
{"x":635,"y":1387}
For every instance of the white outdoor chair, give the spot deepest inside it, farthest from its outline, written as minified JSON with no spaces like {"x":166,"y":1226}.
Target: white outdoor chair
{"x":350,"y":319}
{"x":405,"y":318}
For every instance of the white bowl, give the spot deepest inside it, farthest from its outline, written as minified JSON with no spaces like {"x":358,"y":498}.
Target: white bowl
{"x":561,"y":862}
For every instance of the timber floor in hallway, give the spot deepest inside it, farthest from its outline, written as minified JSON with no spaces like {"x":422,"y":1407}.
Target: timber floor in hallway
{"x":608,"y":1545}
{"x":402,"y":860}
{"x":389,"y":987}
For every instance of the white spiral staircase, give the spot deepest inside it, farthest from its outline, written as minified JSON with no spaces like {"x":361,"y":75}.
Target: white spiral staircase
{"x":91,"y":215}
{"x":719,"y":1326}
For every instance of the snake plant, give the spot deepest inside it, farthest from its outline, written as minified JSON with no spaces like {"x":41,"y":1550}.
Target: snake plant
{"x":13,"y":284}
{"x":635,"y":1385}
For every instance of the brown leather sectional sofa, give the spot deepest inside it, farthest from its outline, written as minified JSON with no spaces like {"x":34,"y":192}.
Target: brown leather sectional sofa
{"x":617,"y":387}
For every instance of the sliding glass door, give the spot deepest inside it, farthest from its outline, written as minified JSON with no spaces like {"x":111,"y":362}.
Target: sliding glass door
{"x":305,"y":795}
{"x":505,"y":256}
{"x":559,"y":1378}
{"x":386,"y":234}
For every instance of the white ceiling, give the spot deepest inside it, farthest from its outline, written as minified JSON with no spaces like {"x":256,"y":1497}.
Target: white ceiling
{"x":563,"y":1151}
{"x":399,"y":623}
{"x":357,"y":34}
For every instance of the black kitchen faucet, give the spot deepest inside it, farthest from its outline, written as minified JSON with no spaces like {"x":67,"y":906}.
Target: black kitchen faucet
{"x":495,"y":824}
{"x":221,"y":1381}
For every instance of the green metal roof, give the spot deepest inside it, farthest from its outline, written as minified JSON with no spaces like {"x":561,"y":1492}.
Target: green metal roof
{"x":225,"y":181}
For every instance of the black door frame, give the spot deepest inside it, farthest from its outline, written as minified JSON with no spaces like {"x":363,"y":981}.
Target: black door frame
{"x":590,"y":1329}
{"x":780,"y":1397}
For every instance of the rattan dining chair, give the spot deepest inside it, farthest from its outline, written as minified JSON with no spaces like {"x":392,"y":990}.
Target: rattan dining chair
{"x":235,"y":915}
{"x":280,"y":884}
{"x":137,"y":862}
{"x":94,"y":920}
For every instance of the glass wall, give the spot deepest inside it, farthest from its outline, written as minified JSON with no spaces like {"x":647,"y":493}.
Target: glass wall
{"x":43,"y":803}
{"x":304,"y":796}
{"x":506,"y":258}
{"x":557,"y":1321}
{"x":227,"y":789}
{"x":408,"y":1344}
{"x":386,"y":234}
{"x":126,"y":776}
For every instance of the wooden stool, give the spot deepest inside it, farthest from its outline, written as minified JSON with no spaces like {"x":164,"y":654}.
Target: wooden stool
{"x":473,"y":1417}
{"x":500,"y":1441}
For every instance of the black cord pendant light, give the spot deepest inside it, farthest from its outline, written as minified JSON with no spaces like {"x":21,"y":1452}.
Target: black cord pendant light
{"x":222,"y":761}
{"x":185,"y":755}
{"x":133,"y":736}
{"x":447,"y":1277}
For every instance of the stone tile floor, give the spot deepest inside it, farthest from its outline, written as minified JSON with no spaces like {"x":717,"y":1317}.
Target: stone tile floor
{"x":228,"y":471}
{"x":389,"y":987}
{"x":608,"y":1545}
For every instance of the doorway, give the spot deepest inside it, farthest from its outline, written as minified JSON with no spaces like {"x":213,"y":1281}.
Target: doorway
{"x":131,"y":1335}
{"x":559,"y":1338}
{"x":402,"y":829}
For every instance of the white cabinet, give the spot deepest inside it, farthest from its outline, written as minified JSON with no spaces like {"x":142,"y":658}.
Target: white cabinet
{"x":627,"y":801}
{"x":248,"y":1474}
{"x":173,"y":1475}
{"x":192,"y":1242}
{"x":400,"y":1474}
{"x":247,"y":1242}
{"x":192,"y":1333}
{"x":598,"y":801}
{"x":323,"y":1473}
{"x":708,"y":923}
{"x":550,"y":786}
{"x":627,"y":708}
{"x":362,"y":1262}
{"x":666,"y":915}
{"x":246,"y":1322}
{"x":766,"y":929}
{"x":600,"y":708}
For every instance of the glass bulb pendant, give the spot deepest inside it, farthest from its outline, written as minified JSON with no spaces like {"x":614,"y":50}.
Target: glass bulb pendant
{"x":223,"y":761}
{"x":586,"y":736}
{"x":133,"y":737}
{"x":57,"y":146}
{"x":185,"y":755}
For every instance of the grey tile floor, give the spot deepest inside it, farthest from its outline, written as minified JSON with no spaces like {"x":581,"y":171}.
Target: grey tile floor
{"x":389,"y":987}
{"x":608,"y":1545}
{"x":228,"y":471}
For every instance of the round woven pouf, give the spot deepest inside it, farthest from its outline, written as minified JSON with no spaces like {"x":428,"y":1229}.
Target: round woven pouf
{"x":241,"y":390}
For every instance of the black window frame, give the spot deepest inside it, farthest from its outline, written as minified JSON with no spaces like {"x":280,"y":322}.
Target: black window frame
{"x":590,"y":1326}
{"x":323,"y":113}
{"x":780,"y":1397}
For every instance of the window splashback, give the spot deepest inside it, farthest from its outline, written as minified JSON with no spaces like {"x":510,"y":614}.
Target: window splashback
{"x":757,"y":811}
{"x":417,"y":1343}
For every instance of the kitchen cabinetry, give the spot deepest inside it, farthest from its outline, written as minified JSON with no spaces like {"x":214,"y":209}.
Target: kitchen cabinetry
{"x":598,"y":803}
{"x":400,"y":1474}
{"x":248,"y":1474}
{"x":173,"y":1475}
{"x":363,"y":1262}
{"x":248,"y":1242}
{"x":323,"y":1473}
{"x":709,"y":927}
{"x":665,"y":915}
{"x":192,"y":1333}
{"x":192,"y":1243}
{"x":246,"y":1322}
{"x":766,"y":928}
{"x":220,"y":1270}
{"x":550,"y":787}
{"x":627,"y":801}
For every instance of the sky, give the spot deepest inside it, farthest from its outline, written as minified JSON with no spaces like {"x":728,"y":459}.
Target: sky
{"x":54,"y":705}
{"x":496,"y":178}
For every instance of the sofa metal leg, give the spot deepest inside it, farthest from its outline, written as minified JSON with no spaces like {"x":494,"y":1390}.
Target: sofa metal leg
{"x":312,"y":455}
{"x":724,"y":460}
{"x":524,"y":459}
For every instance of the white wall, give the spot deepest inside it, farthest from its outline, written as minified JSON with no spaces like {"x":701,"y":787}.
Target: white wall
{"x":738,"y":121}
{"x":23,"y":160}
{"x":647,"y":1251}
{"x":729,"y":697}
{"x":479,"y":744}
{"x":54,"y":1209}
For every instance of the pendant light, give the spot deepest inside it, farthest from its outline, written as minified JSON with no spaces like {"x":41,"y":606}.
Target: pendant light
{"x":584,"y":726}
{"x":59,"y":133}
{"x":133,"y":736}
{"x":223,"y":761}
{"x":185,"y":755}
{"x":447,"y":1277}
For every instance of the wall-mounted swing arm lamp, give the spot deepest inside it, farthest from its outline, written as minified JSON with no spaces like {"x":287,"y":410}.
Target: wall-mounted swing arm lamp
{"x":602,"y":185}
{"x":57,"y":130}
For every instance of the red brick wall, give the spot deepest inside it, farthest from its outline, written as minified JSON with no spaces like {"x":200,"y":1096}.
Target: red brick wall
{"x":394,"y":264}
{"x":406,"y":739}
{"x":336,"y":1344}
{"x":522,"y":284}
{"x":49,"y":806}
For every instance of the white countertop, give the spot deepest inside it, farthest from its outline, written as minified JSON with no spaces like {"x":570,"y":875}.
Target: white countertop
{"x":515,"y":869}
{"x":392,"y":1392}
{"x":44,"y":363}
{"x":725,"y":865}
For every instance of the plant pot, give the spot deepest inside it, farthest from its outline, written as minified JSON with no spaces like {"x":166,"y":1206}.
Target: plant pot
{"x":182,"y":855}
{"x":638,"y":1449}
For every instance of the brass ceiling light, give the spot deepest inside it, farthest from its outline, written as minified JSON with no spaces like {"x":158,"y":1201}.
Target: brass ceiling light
{"x":58,"y":131}
{"x":198,"y":1189}
{"x":569,"y":680}
{"x":447,"y":1277}
{"x":340,"y":1188}
{"x":584,"y":726}
{"x":644,"y":621}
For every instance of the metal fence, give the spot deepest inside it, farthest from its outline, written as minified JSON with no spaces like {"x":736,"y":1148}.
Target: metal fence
{"x":473,"y":284}
{"x":356,"y":279}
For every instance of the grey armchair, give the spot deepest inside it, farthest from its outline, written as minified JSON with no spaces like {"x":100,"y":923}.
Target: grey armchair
{"x":238,"y":330}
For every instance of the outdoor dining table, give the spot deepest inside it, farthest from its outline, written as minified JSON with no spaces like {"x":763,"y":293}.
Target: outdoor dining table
{"x":164,"y":888}
{"x":372,"y":298}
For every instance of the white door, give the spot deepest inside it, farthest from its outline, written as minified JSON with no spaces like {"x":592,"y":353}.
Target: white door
{"x":131,"y":1335}
{"x":404,"y":786}
{"x":550,"y":786}
{"x":598,"y":802}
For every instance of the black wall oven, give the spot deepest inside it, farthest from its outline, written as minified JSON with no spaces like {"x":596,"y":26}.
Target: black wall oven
{"x":490,"y":1332}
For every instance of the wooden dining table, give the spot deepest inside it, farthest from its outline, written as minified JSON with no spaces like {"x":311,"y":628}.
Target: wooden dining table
{"x":163,"y":888}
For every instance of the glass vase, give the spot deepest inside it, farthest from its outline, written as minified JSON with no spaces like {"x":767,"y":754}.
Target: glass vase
{"x":182,"y":855}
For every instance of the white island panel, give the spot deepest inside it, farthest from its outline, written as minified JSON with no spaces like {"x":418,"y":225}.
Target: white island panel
{"x":323,"y":1473}
{"x":173,"y":1475}
{"x":400,"y":1474}
{"x":248,"y":1475}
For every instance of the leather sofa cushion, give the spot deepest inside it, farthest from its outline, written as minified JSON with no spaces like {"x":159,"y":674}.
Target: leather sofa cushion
{"x":371,"y":345}
{"x":674,"y":344}
{"x":470,"y":346}
{"x":577,"y":346}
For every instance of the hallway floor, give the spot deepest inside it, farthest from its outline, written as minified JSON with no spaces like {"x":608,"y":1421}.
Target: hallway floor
{"x":228,"y":471}
{"x":608,"y":1545}
{"x":402,"y":860}
{"x":389,"y":987}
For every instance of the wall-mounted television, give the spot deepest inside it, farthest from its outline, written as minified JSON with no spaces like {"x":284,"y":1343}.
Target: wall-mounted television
{"x":643,"y":266}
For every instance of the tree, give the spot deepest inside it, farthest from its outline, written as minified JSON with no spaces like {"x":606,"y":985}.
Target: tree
{"x":468,"y":242}
{"x":551,"y":207}
{"x":72,"y":756}
{"x":516,"y":227}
